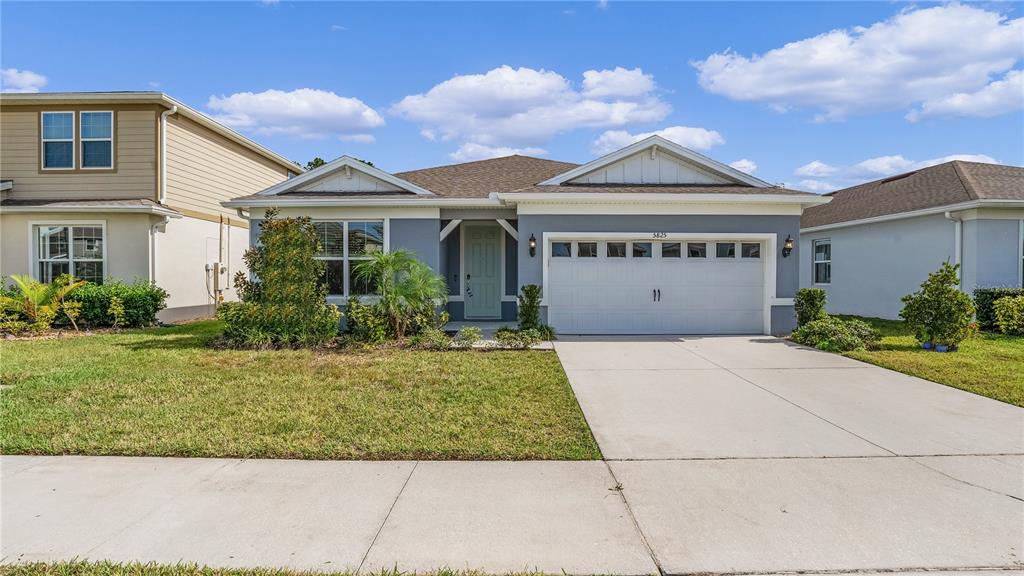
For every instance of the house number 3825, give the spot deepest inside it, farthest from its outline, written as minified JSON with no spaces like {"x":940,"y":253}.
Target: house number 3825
{"x":661,"y":235}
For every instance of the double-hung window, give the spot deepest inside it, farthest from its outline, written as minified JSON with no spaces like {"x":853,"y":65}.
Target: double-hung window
{"x":97,"y":140}
{"x":69,"y":249}
{"x":343,"y":245}
{"x":58,"y":147}
{"x":822,"y":262}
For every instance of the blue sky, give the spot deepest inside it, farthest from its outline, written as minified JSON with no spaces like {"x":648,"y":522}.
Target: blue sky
{"x":814,"y":95}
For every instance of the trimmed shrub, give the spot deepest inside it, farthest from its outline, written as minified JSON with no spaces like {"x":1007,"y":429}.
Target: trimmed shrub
{"x":285,"y":302}
{"x":1010,"y":315}
{"x":939,"y":312}
{"x":367,"y":322}
{"x":520,"y":339}
{"x":809,"y":304}
{"x":546,"y":332}
{"x":140,"y":302}
{"x":529,"y":306}
{"x":984,"y":301}
{"x":836,"y":335}
{"x":432,"y":338}
{"x":468,"y":336}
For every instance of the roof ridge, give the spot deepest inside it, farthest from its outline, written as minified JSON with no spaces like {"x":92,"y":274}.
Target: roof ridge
{"x":482,"y":161}
{"x":965,"y":181}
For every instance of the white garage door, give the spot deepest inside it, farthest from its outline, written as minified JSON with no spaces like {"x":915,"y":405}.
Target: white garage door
{"x":615,"y":286}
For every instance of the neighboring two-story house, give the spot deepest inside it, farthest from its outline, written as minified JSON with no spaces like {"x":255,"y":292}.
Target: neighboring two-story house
{"x":127,"y":185}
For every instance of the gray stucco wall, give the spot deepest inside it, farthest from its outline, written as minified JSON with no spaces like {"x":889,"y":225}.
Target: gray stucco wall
{"x":420,"y":235}
{"x":991,"y":253}
{"x":787,"y":271}
{"x":875,"y":265}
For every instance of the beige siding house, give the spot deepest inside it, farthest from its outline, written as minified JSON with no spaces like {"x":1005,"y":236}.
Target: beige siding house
{"x":127,"y":185}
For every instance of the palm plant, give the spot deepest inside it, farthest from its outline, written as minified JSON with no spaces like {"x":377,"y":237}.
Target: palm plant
{"x":406,"y":287}
{"x":40,"y":302}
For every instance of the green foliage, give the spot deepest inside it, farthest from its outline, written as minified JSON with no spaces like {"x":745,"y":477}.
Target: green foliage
{"x":468,"y":336}
{"x":546,"y":332}
{"x":71,"y":310}
{"x":408,"y":288}
{"x":141,"y":301}
{"x":810,"y":305}
{"x":939,"y":312}
{"x":521,"y":339}
{"x":836,"y":335}
{"x":34,"y":305}
{"x":529,"y":306}
{"x":1010,"y":315}
{"x":116,"y":312}
{"x":367,"y":322}
{"x":984,"y":301}
{"x":315,"y":163}
{"x":285,"y":302}
{"x":432,"y":338}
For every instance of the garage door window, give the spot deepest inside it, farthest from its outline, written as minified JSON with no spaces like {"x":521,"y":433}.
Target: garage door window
{"x":586,"y":249}
{"x":670,"y":250}
{"x":616,"y":250}
{"x":561,"y":249}
{"x":696,"y":250}
{"x":750,"y":250}
{"x":725,"y":250}
{"x":641,"y":249}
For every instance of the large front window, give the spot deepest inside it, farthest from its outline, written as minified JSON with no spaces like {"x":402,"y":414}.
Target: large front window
{"x":75,"y":250}
{"x":822,"y":261}
{"x":58,"y":140}
{"x":342,"y":246}
{"x":97,"y":139}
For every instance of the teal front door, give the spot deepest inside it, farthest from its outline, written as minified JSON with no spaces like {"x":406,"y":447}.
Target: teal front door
{"x":482,"y":271}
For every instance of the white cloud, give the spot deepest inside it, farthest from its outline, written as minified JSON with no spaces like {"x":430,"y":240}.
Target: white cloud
{"x":816,"y":169}
{"x":337,"y":28}
{"x":471,"y":151}
{"x":14,"y":80}
{"x":998,"y":97}
{"x":619,"y":82}
{"x":690,"y":137}
{"x":517,"y":107}
{"x":871,"y":169}
{"x":744,"y":165}
{"x":302,"y":113}
{"x":364,"y":138}
{"x":602,"y":4}
{"x":916,"y":57}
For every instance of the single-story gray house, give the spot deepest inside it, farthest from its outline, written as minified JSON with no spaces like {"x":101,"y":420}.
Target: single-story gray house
{"x":653,"y":238}
{"x":875,"y":242}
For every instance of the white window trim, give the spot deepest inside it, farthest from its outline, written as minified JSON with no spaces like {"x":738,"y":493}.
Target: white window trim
{"x":814,"y":262}
{"x":82,"y":140}
{"x":341,"y":299}
{"x":33,"y":246}
{"x":768,"y":241}
{"x":43,"y":140}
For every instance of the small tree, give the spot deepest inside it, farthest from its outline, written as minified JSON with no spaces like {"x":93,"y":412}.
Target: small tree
{"x":407,"y":287}
{"x":529,"y":307}
{"x":939,"y":312}
{"x":285,"y":301}
{"x":809,"y":304}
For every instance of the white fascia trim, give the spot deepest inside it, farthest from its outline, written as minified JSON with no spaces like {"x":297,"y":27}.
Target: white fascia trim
{"x":337,"y":164}
{"x":386,"y":201}
{"x":672,"y":147}
{"x":664,"y":198}
{"x":916,"y":213}
{"x":92,"y":209}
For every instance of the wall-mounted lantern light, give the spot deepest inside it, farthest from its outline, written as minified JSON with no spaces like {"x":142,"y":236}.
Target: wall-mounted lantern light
{"x":787,"y":246}
{"x":533,"y":245}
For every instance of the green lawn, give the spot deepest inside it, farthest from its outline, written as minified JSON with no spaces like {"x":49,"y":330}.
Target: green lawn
{"x":991,"y":365}
{"x":138,"y":569}
{"x":164,"y":392}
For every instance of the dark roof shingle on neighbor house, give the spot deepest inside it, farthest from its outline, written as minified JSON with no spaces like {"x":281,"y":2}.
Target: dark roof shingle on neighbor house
{"x":480,"y":178}
{"x":940,"y":185}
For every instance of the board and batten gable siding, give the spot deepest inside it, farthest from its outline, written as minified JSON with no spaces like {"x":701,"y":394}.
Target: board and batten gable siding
{"x":135,"y":144}
{"x":640,"y":168}
{"x":354,"y":181}
{"x":205,"y":169}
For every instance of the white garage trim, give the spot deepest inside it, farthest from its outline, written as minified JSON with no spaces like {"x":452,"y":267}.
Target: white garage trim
{"x":769,"y":261}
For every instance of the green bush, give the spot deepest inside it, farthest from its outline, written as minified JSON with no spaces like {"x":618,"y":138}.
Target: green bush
{"x":432,"y":338}
{"x":529,"y":306}
{"x":546,"y":332}
{"x":284,"y":303}
{"x":939,"y":312}
{"x":32,"y":305}
{"x":407,"y":288}
{"x":366,"y":322}
{"x":521,"y":339}
{"x":1010,"y":315}
{"x":468,"y":336}
{"x":809,"y":304}
{"x":836,"y":335}
{"x":140,"y":300}
{"x":984,"y":301}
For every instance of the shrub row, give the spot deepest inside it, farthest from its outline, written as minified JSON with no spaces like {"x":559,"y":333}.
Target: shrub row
{"x":984,"y":302}
{"x":140,"y":301}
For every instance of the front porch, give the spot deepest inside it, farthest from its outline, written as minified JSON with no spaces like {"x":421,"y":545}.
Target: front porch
{"x":478,"y":260}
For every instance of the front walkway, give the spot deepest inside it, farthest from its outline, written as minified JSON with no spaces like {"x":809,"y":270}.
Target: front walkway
{"x":725,"y":455}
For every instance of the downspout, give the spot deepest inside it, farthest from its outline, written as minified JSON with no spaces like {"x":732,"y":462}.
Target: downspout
{"x":958,"y":246}
{"x":163,"y":151}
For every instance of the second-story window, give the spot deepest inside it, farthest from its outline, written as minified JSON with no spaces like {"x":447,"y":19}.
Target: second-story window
{"x":58,"y":140}
{"x":97,"y":139}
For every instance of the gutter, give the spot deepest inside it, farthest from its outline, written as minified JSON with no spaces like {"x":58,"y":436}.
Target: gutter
{"x":156,"y":210}
{"x":424,"y":202}
{"x":163,"y":152}
{"x":958,"y":245}
{"x":152,"y":247}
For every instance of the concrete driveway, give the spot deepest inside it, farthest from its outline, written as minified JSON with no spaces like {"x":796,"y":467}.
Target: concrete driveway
{"x":751,"y":454}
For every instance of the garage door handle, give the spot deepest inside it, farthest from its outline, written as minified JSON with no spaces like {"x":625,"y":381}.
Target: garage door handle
{"x":659,"y":294}
{"x":654,"y":295}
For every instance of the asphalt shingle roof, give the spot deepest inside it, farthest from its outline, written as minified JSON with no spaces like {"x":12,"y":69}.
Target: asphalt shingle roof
{"x":479,"y":179}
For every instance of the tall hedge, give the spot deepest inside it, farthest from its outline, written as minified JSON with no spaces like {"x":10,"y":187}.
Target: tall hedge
{"x":985,"y":298}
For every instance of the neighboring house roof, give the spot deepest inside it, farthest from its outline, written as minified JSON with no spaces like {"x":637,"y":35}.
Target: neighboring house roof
{"x":481,"y":178}
{"x":937,"y":186}
{"x":128,"y":205}
{"x":659,"y":189}
{"x":148,"y":98}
